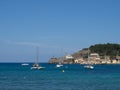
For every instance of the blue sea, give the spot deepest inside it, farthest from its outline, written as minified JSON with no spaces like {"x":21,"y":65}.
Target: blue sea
{"x":14,"y":76}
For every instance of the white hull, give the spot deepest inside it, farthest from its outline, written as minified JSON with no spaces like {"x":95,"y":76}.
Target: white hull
{"x":37,"y":67}
{"x":59,"y":65}
{"x":89,"y":67}
{"x":25,"y":64}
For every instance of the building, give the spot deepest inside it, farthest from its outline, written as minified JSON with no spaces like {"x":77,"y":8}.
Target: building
{"x":69,"y":57}
{"x":94,"y":56}
{"x":79,"y":60}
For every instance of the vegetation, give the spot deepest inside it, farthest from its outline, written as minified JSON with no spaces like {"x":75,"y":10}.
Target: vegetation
{"x":108,"y":49}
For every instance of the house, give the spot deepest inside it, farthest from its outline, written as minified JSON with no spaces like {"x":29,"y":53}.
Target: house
{"x":94,"y":56}
{"x":69,"y":57}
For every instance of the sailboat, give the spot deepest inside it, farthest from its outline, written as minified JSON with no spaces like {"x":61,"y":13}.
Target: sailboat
{"x":36,"y":65}
{"x":59,"y":65}
{"x":89,"y":66}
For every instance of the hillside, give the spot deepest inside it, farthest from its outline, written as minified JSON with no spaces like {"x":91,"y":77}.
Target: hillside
{"x":109,"y":51}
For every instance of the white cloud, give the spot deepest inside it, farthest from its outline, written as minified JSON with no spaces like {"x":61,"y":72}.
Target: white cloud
{"x":50,"y":48}
{"x":34,"y":44}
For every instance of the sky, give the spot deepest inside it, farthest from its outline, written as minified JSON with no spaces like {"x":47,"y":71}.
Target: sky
{"x":57,"y":27}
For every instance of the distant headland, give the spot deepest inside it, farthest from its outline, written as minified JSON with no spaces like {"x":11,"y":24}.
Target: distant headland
{"x":108,"y":53}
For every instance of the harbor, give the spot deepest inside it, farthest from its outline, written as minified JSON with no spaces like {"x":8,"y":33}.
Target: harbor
{"x":68,"y":77}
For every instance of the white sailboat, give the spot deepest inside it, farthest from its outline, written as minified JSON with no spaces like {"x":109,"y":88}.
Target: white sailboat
{"x":89,"y":66}
{"x":36,"y":65}
{"x":59,"y":64}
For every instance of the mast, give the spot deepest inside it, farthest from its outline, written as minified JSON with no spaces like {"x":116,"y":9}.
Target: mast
{"x":36,"y":65}
{"x":88,"y":56}
{"x":37,"y":57}
{"x":88,"y":53}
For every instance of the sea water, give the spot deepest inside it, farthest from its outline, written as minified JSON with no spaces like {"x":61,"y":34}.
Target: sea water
{"x":14,"y":76}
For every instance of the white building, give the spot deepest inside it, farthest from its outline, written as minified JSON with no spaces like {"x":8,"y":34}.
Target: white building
{"x":69,"y":57}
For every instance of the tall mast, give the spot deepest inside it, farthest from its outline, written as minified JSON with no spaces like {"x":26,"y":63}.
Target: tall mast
{"x":88,"y":55}
{"x":37,"y":52}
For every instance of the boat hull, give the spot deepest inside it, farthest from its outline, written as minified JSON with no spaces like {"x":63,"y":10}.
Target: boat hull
{"x":59,"y":65}
{"x":89,"y":67}
{"x":37,"y":68}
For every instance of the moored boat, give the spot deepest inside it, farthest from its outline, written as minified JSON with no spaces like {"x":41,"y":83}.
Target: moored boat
{"x":24,"y":64}
{"x":36,"y":65}
{"x":59,"y":65}
{"x":89,"y":66}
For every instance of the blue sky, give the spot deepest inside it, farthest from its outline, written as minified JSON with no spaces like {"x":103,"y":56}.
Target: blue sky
{"x":56,"y":26}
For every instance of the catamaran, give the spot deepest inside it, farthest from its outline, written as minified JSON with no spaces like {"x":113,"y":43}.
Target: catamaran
{"x":36,"y":65}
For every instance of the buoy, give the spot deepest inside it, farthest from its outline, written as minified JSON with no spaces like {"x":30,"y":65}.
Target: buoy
{"x":63,"y":71}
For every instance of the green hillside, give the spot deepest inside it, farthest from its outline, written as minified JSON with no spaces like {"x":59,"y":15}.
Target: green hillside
{"x":108,"y":49}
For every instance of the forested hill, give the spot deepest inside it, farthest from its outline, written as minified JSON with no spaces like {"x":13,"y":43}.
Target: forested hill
{"x":109,"y":49}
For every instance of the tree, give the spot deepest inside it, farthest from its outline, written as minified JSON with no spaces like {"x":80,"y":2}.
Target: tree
{"x":109,"y":49}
